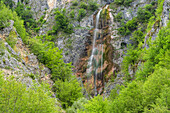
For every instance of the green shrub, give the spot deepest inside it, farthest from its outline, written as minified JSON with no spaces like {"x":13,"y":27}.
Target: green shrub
{"x":75,"y":3}
{"x":118,"y":17}
{"x":143,"y":15}
{"x":119,"y":2}
{"x":127,"y":2}
{"x":72,"y":14}
{"x":2,"y":47}
{"x":5,"y":16}
{"x":12,"y":39}
{"x":138,"y":96}
{"x":123,"y":2}
{"x":9,"y":3}
{"x":77,"y":106}
{"x":92,"y":5}
{"x":17,"y":97}
{"x":26,"y":14}
{"x":137,"y":37}
{"x":96,"y":105}
{"x":68,"y":91}
{"x":83,"y":5}
{"x":128,"y":27}
{"x":62,"y":23}
{"x":81,"y":14}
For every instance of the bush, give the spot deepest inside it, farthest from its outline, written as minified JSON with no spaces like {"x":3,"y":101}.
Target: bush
{"x":81,"y":14}
{"x":72,"y":14}
{"x":12,"y":39}
{"x":75,"y":3}
{"x":119,"y":17}
{"x":83,"y":5}
{"x":96,"y":105}
{"x":26,"y":14}
{"x":128,"y":27}
{"x":77,"y":106}
{"x":62,"y":23}
{"x":139,"y":95}
{"x":127,"y":2}
{"x":5,"y":16}
{"x":9,"y":3}
{"x":143,"y":15}
{"x":17,"y":97}
{"x":119,"y":2}
{"x":2,"y":47}
{"x":123,"y":2}
{"x":92,"y":5}
{"x":137,"y":37}
{"x":67,"y":91}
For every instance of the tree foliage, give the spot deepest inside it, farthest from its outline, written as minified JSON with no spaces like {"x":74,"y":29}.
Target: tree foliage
{"x":67,"y":91}
{"x":62,"y":23}
{"x":16,"y":97}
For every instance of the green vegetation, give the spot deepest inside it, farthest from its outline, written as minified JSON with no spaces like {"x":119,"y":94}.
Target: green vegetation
{"x":26,"y":14}
{"x":46,"y":51}
{"x":92,"y":5}
{"x":96,"y":105}
{"x":118,"y":17}
{"x":81,"y":14}
{"x":144,"y":15}
{"x":75,"y":3}
{"x":123,"y":2}
{"x":83,"y":5}
{"x":127,"y":28}
{"x":147,"y":90}
{"x":2,"y":47}
{"x":11,"y":39}
{"x":62,"y":23}
{"x":77,"y":105}
{"x":142,"y":96}
{"x":6,"y":15}
{"x":72,"y":14}
{"x":9,"y":3}
{"x":16,"y":97}
{"x":67,"y":91}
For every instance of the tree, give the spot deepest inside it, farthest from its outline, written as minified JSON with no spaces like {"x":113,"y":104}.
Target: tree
{"x":137,"y":37}
{"x":67,"y":91}
{"x":143,"y":15}
{"x":96,"y":105}
{"x":81,"y":14}
{"x":92,"y":5}
{"x":16,"y":97}
{"x":62,"y":23}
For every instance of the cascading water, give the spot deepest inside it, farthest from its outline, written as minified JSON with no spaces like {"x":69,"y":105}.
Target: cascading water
{"x":95,"y":62}
{"x":94,"y":49}
{"x":94,"y":40}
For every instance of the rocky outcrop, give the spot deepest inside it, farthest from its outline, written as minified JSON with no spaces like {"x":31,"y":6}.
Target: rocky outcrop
{"x":165,"y":13}
{"x":20,"y":62}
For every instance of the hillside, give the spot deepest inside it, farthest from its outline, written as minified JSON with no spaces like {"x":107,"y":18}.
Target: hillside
{"x":84,"y":56}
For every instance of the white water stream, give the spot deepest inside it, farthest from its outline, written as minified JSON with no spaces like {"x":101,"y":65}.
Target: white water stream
{"x":94,"y":59}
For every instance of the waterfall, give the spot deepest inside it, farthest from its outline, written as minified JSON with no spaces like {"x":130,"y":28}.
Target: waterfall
{"x":94,"y":40}
{"x":96,"y":59}
{"x":94,"y":49}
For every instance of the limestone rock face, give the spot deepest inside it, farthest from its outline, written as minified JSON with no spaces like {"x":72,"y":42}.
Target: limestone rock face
{"x":165,"y":13}
{"x":20,"y":62}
